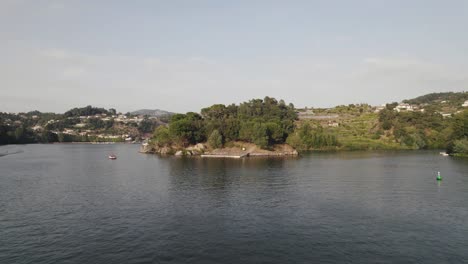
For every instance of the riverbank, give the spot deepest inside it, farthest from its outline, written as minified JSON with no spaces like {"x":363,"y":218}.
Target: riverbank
{"x":236,"y":149}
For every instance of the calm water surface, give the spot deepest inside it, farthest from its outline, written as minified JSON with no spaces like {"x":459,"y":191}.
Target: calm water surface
{"x":70,"y":204}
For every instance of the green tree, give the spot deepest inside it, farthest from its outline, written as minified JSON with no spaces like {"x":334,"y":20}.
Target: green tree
{"x":260,"y":135}
{"x":461,"y":146}
{"x":146,"y":125}
{"x":162,"y":137}
{"x":215,"y":140}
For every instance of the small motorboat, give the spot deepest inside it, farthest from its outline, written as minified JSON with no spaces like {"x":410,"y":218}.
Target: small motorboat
{"x":112,"y":157}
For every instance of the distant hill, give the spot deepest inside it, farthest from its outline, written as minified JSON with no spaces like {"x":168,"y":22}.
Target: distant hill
{"x":152,"y":112}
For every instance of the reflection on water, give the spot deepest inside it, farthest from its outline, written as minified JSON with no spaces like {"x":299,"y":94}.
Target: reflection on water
{"x":10,"y":150}
{"x":220,"y":173}
{"x":70,"y":204}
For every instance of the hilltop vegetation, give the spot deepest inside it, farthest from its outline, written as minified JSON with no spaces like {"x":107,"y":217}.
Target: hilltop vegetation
{"x":452,"y":98}
{"x":263,"y":122}
{"x":88,"y":111}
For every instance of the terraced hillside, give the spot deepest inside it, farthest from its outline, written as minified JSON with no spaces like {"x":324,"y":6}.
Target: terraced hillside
{"x":354,"y":126}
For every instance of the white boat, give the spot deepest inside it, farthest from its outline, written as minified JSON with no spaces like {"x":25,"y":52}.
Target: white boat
{"x":445,"y":154}
{"x":112,"y":157}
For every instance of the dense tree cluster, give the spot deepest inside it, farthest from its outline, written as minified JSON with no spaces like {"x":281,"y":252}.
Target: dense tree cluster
{"x":422,"y":130}
{"x":147,"y":125}
{"x":417,"y":130}
{"x":263,"y":122}
{"x":88,"y":111}
{"x":15,"y":135}
{"x":458,"y":139}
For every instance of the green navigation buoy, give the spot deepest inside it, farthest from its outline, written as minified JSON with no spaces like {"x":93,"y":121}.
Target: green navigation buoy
{"x":439,"y":178}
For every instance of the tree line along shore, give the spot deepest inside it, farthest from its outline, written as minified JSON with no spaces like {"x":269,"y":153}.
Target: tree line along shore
{"x":259,"y":127}
{"x":433,"y":121}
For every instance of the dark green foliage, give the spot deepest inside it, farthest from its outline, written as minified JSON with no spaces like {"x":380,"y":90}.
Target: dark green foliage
{"x":96,"y":123}
{"x":162,"y":137}
{"x":147,"y":125}
{"x":460,"y":146}
{"x":187,"y":129}
{"x":386,"y":117}
{"x":87,"y":111}
{"x":48,"y":137}
{"x":260,"y":135}
{"x":416,"y":130}
{"x":391,"y":106}
{"x":457,"y":141}
{"x":263,"y":122}
{"x":460,"y":126}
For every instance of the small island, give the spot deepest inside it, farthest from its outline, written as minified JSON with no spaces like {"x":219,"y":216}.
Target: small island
{"x":254,"y":128}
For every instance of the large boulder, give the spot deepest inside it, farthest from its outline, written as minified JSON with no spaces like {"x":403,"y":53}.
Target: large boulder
{"x":165,"y":150}
{"x":196,"y":150}
{"x":200,"y":147}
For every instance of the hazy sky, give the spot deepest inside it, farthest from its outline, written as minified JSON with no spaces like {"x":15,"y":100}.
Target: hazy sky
{"x":184,"y":55}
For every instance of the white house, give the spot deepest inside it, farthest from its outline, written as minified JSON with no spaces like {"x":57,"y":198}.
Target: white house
{"x":465,"y":104}
{"x":404,"y":107}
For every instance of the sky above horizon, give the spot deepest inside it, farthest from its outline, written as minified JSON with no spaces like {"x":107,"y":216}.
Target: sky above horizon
{"x":184,"y":55}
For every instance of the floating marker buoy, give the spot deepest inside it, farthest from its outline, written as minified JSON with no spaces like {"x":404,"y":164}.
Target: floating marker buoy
{"x":439,"y":178}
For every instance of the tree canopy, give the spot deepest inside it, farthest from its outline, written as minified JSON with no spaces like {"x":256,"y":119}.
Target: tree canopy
{"x":263,"y":122}
{"x":88,"y":111}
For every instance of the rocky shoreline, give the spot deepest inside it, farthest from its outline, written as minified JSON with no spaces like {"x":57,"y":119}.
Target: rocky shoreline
{"x":237,"y":150}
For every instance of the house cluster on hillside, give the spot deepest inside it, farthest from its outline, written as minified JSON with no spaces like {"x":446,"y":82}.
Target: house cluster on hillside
{"x":103,"y":127}
{"x":118,"y":118}
{"x":408,"y":107}
{"x":446,"y":110}
{"x":127,"y":122}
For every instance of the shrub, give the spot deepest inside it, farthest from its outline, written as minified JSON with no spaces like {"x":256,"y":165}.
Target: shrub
{"x":215,"y":140}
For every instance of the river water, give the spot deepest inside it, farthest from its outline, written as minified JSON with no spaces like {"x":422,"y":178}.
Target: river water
{"x":71,"y":204}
